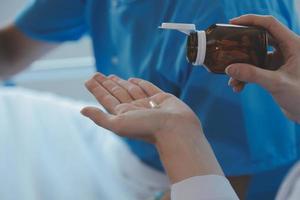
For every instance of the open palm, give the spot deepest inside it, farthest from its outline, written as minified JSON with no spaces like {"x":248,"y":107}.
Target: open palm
{"x":136,"y":108}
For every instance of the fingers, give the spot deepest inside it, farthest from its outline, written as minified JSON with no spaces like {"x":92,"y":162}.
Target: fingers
{"x":280,"y":32}
{"x":248,"y":73}
{"x":135,"y":91}
{"x":98,"y":117}
{"x":113,"y":88}
{"x":236,"y":85}
{"x":108,"y":101}
{"x":148,"y":87}
{"x":119,"y":96}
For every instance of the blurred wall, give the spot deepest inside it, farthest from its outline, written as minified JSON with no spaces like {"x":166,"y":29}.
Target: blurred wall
{"x":63,"y":71}
{"x":9,"y":10}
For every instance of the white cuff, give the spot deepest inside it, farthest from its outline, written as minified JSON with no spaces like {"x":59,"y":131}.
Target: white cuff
{"x":210,"y":187}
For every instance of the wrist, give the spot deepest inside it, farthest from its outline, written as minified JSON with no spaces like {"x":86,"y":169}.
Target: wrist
{"x":176,"y":126}
{"x":185,"y":153}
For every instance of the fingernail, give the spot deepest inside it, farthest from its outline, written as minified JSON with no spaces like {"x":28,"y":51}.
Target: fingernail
{"x":113,"y":77}
{"x":228,"y":70}
{"x":84,"y":112}
{"x":99,"y":76}
{"x":133,"y":80}
{"x":233,"y":19}
{"x":96,"y":75}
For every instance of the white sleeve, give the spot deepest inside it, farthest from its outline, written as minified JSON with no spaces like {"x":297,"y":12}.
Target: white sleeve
{"x":290,"y":189}
{"x":210,"y":187}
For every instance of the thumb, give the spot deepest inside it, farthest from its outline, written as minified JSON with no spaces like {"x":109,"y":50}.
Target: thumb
{"x":252,"y":74}
{"x":98,"y":116}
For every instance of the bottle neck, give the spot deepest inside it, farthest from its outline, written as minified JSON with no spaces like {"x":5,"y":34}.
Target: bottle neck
{"x":201,"y":52}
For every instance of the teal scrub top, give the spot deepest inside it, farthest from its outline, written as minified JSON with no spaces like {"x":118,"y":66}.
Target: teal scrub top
{"x":247,"y":131}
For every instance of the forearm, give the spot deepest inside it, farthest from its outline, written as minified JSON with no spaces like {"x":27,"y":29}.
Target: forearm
{"x":186,"y":154}
{"x":5,"y":60}
{"x":17,"y":51}
{"x":11,"y":61}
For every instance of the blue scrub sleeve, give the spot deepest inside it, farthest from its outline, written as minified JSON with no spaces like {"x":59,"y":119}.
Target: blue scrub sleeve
{"x":53,"y":20}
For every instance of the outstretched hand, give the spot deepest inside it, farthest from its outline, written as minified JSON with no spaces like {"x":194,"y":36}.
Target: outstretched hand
{"x":137,"y":108}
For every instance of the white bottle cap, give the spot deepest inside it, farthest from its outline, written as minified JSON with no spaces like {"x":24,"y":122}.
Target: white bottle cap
{"x":185,"y":28}
{"x":201,"y":48}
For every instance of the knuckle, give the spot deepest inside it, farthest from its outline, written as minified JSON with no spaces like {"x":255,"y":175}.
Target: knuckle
{"x":271,"y":20}
{"x":277,"y":83}
{"x":249,"y":16}
{"x":168,"y":94}
{"x":143,"y":83}
{"x":134,"y":90}
{"x":122,"y":82}
{"x":106,"y":100}
{"x":252,"y":76}
{"x":106,"y":83}
{"x":116,"y":89}
{"x":237,"y":72}
{"x":94,"y":91}
{"x":90,"y":85}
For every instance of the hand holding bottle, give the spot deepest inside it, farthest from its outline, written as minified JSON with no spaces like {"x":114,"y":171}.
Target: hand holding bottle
{"x":284,"y":83}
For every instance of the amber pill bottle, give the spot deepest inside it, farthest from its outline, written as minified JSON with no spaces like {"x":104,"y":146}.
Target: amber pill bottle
{"x":223,"y":44}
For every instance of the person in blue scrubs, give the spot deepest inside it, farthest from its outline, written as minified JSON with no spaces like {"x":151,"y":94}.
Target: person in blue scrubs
{"x":126,"y":42}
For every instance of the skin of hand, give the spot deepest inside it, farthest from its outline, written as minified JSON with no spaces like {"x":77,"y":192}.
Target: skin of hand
{"x":283,"y":83}
{"x":172,"y":126}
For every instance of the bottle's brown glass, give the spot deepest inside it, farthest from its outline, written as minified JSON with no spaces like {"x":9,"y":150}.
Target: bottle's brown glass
{"x":228,"y":44}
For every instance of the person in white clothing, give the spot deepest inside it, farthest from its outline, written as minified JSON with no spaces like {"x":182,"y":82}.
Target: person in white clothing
{"x":138,"y":109}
